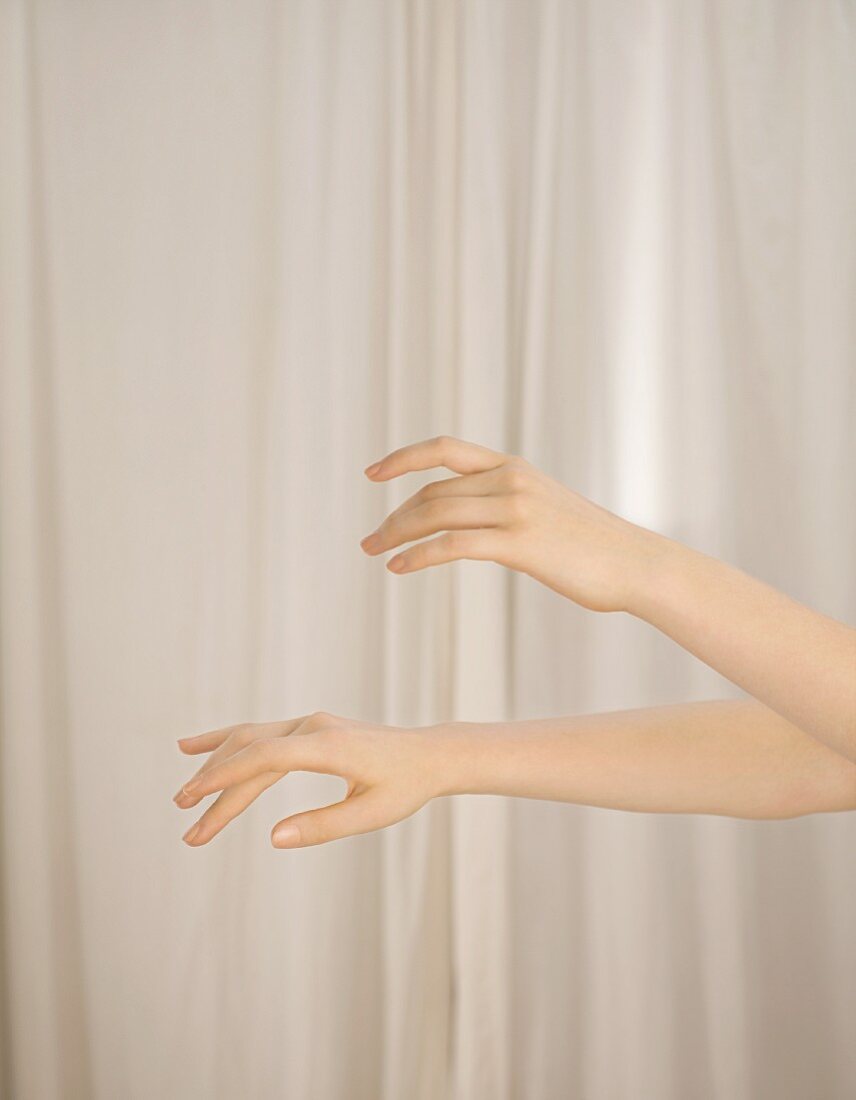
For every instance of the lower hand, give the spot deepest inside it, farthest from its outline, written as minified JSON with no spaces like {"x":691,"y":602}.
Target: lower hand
{"x":390,"y":774}
{"x":502,"y":509}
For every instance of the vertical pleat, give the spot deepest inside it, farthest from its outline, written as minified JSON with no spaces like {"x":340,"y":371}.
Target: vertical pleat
{"x":246,"y":250}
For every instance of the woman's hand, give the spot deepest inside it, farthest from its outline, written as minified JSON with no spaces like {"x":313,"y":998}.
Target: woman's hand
{"x":796,"y":661}
{"x":732,"y":757}
{"x":390,"y":774}
{"x":502,"y":509}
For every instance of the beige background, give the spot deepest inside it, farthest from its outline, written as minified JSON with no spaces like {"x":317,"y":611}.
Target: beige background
{"x":245,"y":248}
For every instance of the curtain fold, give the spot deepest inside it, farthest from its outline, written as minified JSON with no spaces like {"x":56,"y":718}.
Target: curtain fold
{"x":247,"y":249}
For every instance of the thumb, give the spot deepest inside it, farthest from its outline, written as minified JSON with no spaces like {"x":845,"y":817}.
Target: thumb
{"x":359,"y":813}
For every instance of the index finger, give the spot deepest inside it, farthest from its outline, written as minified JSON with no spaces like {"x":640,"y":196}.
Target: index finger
{"x":455,"y":454}
{"x":310,"y":752}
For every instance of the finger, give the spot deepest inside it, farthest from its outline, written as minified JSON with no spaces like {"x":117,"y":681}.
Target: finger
{"x":359,"y":813}
{"x":455,"y":454}
{"x":467,"y":485}
{"x":204,"y":742}
{"x":232,"y":801}
{"x":453,"y":546}
{"x":311,"y":752}
{"x":218,"y":743}
{"x":445,"y":514}
{"x":238,"y":738}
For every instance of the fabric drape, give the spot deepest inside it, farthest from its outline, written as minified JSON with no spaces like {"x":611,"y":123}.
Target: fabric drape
{"x":245,"y":249}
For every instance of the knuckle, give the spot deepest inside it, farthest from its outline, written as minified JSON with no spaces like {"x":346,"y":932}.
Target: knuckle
{"x":511,"y":548}
{"x":515,"y":476}
{"x":261,"y":749}
{"x":319,"y":718}
{"x":330,"y":738}
{"x":519,"y":506}
{"x":235,"y":740}
{"x":243,"y":734}
{"x":481,"y":546}
{"x":455,"y":542}
{"x":433,"y":509}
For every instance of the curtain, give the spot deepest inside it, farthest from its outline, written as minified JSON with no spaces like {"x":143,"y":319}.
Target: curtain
{"x":245,"y":249}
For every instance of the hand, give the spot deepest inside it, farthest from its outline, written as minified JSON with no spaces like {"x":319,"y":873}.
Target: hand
{"x":390,"y":774}
{"x":502,"y":509}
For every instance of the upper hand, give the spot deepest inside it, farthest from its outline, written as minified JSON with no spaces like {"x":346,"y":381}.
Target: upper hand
{"x":502,"y":509}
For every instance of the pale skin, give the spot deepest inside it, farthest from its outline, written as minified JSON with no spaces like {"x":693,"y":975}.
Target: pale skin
{"x":787,"y":750}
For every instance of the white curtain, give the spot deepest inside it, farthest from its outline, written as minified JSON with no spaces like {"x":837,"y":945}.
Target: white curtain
{"x":246,"y":248}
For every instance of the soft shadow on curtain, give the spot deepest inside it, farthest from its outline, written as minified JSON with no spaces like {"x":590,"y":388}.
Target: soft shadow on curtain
{"x":244,"y":250}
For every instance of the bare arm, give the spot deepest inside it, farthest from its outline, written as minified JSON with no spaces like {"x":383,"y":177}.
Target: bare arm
{"x":735,"y":758}
{"x":731,"y":757}
{"x":500,"y":508}
{"x":768,"y":757}
{"x":797,"y":661}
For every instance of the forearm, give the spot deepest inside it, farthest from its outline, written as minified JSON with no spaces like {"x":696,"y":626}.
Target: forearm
{"x":798,"y":662}
{"x":735,"y":758}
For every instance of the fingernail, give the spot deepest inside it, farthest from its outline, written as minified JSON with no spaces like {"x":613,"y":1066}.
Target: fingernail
{"x":191,"y":833}
{"x":370,"y":541}
{"x":190,"y":786}
{"x":370,"y":471}
{"x":286,"y":836}
{"x":396,"y":565}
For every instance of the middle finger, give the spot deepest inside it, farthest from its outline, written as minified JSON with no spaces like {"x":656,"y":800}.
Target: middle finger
{"x":444,"y":514}
{"x":242,"y":736}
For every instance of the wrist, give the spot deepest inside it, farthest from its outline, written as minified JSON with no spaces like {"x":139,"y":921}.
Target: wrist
{"x":454,"y":755}
{"x":657,"y":561}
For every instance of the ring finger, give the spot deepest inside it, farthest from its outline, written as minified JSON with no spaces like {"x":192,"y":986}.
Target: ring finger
{"x":444,"y":514}
{"x":227,"y":805}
